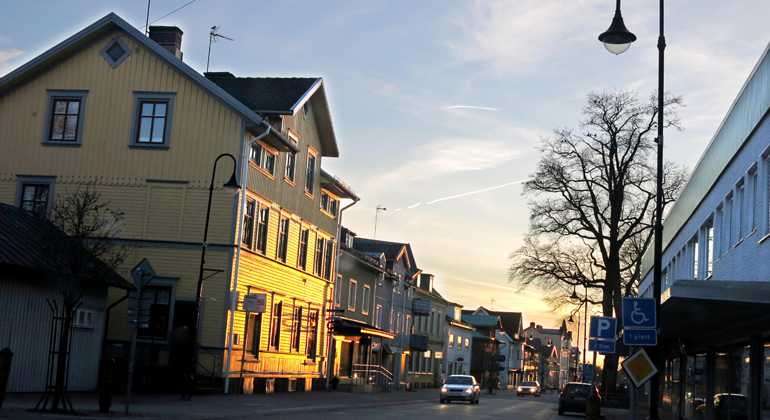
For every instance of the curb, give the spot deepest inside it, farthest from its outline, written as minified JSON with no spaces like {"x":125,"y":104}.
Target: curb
{"x":205,"y":416}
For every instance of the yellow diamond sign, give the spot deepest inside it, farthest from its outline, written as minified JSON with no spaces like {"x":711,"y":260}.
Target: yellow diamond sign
{"x":639,"y":367}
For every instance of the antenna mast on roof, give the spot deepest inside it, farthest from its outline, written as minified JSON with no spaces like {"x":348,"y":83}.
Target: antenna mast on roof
{"x":213,"y":38}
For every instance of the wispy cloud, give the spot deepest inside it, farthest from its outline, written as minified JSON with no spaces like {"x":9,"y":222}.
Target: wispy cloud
{"x":6,"y":56}
{"x":444,"y":156}
{"x":483,"y":108}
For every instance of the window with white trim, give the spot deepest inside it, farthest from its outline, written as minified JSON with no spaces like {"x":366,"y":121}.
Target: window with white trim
{"x":352,"y":290}
{"x":365,"y":301}
{"x":262,"y":157}
{"x":84,"y":318}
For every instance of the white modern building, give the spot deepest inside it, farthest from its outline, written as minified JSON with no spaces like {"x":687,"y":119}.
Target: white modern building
{"x":457,"y":348}
{"x":715,"y":310}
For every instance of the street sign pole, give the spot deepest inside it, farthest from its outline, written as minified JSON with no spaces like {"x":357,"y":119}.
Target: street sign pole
{"x":142,"y":275}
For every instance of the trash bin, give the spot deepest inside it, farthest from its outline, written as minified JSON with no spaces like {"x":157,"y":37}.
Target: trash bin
{"x":6,"y":355}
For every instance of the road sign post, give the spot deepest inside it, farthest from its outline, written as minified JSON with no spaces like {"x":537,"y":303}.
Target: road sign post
{"x":138,"y":316}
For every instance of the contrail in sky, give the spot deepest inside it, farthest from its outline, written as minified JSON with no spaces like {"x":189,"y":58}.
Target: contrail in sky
{"x":483,"y":108}
{"x":476,"y":192}
{"x":411,"y":207}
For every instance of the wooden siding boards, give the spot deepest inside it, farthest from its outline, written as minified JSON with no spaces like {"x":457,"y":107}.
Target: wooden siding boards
{"x":26,"y":330}
{"x":164,"y":192}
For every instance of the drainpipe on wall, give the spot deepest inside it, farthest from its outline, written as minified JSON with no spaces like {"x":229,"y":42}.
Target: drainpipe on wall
{"x":330,"y":339}
{"x":234,"y":293}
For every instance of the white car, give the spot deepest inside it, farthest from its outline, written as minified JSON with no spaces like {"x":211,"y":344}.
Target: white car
{"x":460,"y":387}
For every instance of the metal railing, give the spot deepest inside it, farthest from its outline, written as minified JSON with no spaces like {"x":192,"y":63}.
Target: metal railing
{"x":371,"y":375}
{"x":217,"y":363}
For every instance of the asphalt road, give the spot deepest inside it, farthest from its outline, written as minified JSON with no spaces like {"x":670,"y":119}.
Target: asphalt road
{"x":501,"y":406}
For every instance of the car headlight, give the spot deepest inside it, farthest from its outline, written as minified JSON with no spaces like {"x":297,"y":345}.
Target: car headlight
{"x":532,"y":389}
{"x":518,"y":389}
{"x":444,"y":390}
{"x":468,"y":391}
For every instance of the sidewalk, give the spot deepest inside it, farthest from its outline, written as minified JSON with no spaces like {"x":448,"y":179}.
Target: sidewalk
{"x":165,"y":406}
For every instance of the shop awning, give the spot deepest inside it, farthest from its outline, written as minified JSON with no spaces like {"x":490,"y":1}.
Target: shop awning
{"x":351,"y":327}
{"x":697,"y":309}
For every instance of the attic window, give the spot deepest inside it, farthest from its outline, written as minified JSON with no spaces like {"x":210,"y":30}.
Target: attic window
{"x":115,"y":52}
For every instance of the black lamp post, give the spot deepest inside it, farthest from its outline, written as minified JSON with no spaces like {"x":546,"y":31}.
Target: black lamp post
{"x":617,"y":39}
{"x":233,"y":187}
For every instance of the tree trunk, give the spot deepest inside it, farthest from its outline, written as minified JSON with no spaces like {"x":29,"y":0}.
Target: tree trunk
{"x":61,"y":358}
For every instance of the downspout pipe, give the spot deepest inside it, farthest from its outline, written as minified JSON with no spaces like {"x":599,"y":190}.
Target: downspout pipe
{"x":239,"y":238}
{"x":330,"y":338}
{"x":107,"y":321}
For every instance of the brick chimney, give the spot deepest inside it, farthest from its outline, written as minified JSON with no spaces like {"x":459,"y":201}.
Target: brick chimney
{"x":531,"y":325}
{"x":168,"y":37}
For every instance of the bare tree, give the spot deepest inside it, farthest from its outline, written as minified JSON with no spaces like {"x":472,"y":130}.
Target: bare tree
{"x":88,"y":253}
{"x":593,"y":203}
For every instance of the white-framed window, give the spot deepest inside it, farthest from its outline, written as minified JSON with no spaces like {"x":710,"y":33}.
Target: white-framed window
{"x":291,"y":166}
{"x":729,"y":222}
{"x":35,"y":193}
{"x":753,"y":200}
{"x":352,"y":290}
{"x":84,"y":318}
{"x":378,"y":316}
{"x":398,"y":323}
{"x":467,"y":343}
{"x":329,"y":203}
{"x":694,"y":249}
{"x":310,"y":173}
{"x":708,"y":229}
{"x":407,"y":325}
{"x":460,"y":342}
{"x":365,"y":301}
{"x":451,"y":340}
{"x":740,"y":208}
{"x":338,"y":292}
{"x":719,"y":222}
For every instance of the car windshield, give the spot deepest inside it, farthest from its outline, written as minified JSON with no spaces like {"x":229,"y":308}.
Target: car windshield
{"x":529,"y":384}
{"x":459,"y":380}
{"x":577,"y":389}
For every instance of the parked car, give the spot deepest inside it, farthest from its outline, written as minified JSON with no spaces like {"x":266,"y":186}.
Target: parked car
{"x":462,"y":388}
{"x":528,"y":387}
{"x":573,"y":397}
{"x":726,"y":406}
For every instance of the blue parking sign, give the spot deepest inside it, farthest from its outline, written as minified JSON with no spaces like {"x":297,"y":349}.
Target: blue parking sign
{"x":603,"y":327}
{"x":601,"y":346}
{"x":639,"y":313}
{"x":588,"y":372}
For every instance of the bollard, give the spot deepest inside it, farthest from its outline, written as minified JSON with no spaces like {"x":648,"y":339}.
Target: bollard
{"x":6,"y":355}
{"x":106,"y":384}
{"x":592,"y":406}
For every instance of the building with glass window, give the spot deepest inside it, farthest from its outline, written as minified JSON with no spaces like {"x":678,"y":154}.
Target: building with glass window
{"x":715,"y":297}
{"x":121,"y":112}
{"x":457,"y":348}
{"x":428,"y":309}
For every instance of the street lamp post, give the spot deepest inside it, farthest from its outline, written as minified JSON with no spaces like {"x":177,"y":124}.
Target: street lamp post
{"x":233,"y":187}
{"x":617,"y":39}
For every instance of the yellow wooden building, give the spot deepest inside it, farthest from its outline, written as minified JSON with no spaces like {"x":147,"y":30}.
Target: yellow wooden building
{"x":122,"y":113}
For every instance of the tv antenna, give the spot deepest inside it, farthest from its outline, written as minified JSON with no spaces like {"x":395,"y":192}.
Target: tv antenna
{"x":213,"y":39}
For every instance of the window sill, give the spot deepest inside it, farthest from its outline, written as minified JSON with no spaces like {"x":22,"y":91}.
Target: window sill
{"x":309,"y":195}
{"x":764,"y":238}
{"x":736,"y":245}
{"x":290,"y":182}
{"x":148,"y":146}
{"x":328,"y":214}
{"x":751,"y":233}
{"x":61,"y":144}
{"x":262,"y":170}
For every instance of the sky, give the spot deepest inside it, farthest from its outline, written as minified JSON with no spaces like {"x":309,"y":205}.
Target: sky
{"x":435,"y":99}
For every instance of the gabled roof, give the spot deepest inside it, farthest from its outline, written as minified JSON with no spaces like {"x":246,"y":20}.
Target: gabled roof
{"x":32,"y":242}
{"x":393,"y":251}
{"x":112,"y":21}
{"x":511,"y":320}
{"x":282,"y":96}
{"x":481,"y":320}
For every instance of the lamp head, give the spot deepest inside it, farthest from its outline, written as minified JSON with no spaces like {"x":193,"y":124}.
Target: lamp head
{"x":232,"y":185}
{"x":617,"y":39}
{"x":574,"y":298}
{"x":570,"y":320}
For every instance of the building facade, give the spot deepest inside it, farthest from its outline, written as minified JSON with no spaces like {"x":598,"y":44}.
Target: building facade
{"x":428,"y":309}
{"x":715,"y":296}
{"x":457,"y":349}
{"x":122,"y":113}
{"x":560,"y":339}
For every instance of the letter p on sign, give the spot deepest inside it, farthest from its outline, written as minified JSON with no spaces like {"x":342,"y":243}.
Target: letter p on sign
{"x":603,"y":328}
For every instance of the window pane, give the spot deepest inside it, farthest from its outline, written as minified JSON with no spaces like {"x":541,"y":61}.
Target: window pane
{"x":60,"y":107}
{"x":70,"y":127}
{"x":72,"y":107}
{"x":145,"y":124}
{"x":41,"y":193}
{"x":116,"y":51}
{"x":57,"y":131}
{"x":160,"y":110}
{"x":157,"y":129}
{"x":147,"y":109}
{"x":269,"y":162}
{"x":28,"y":193}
